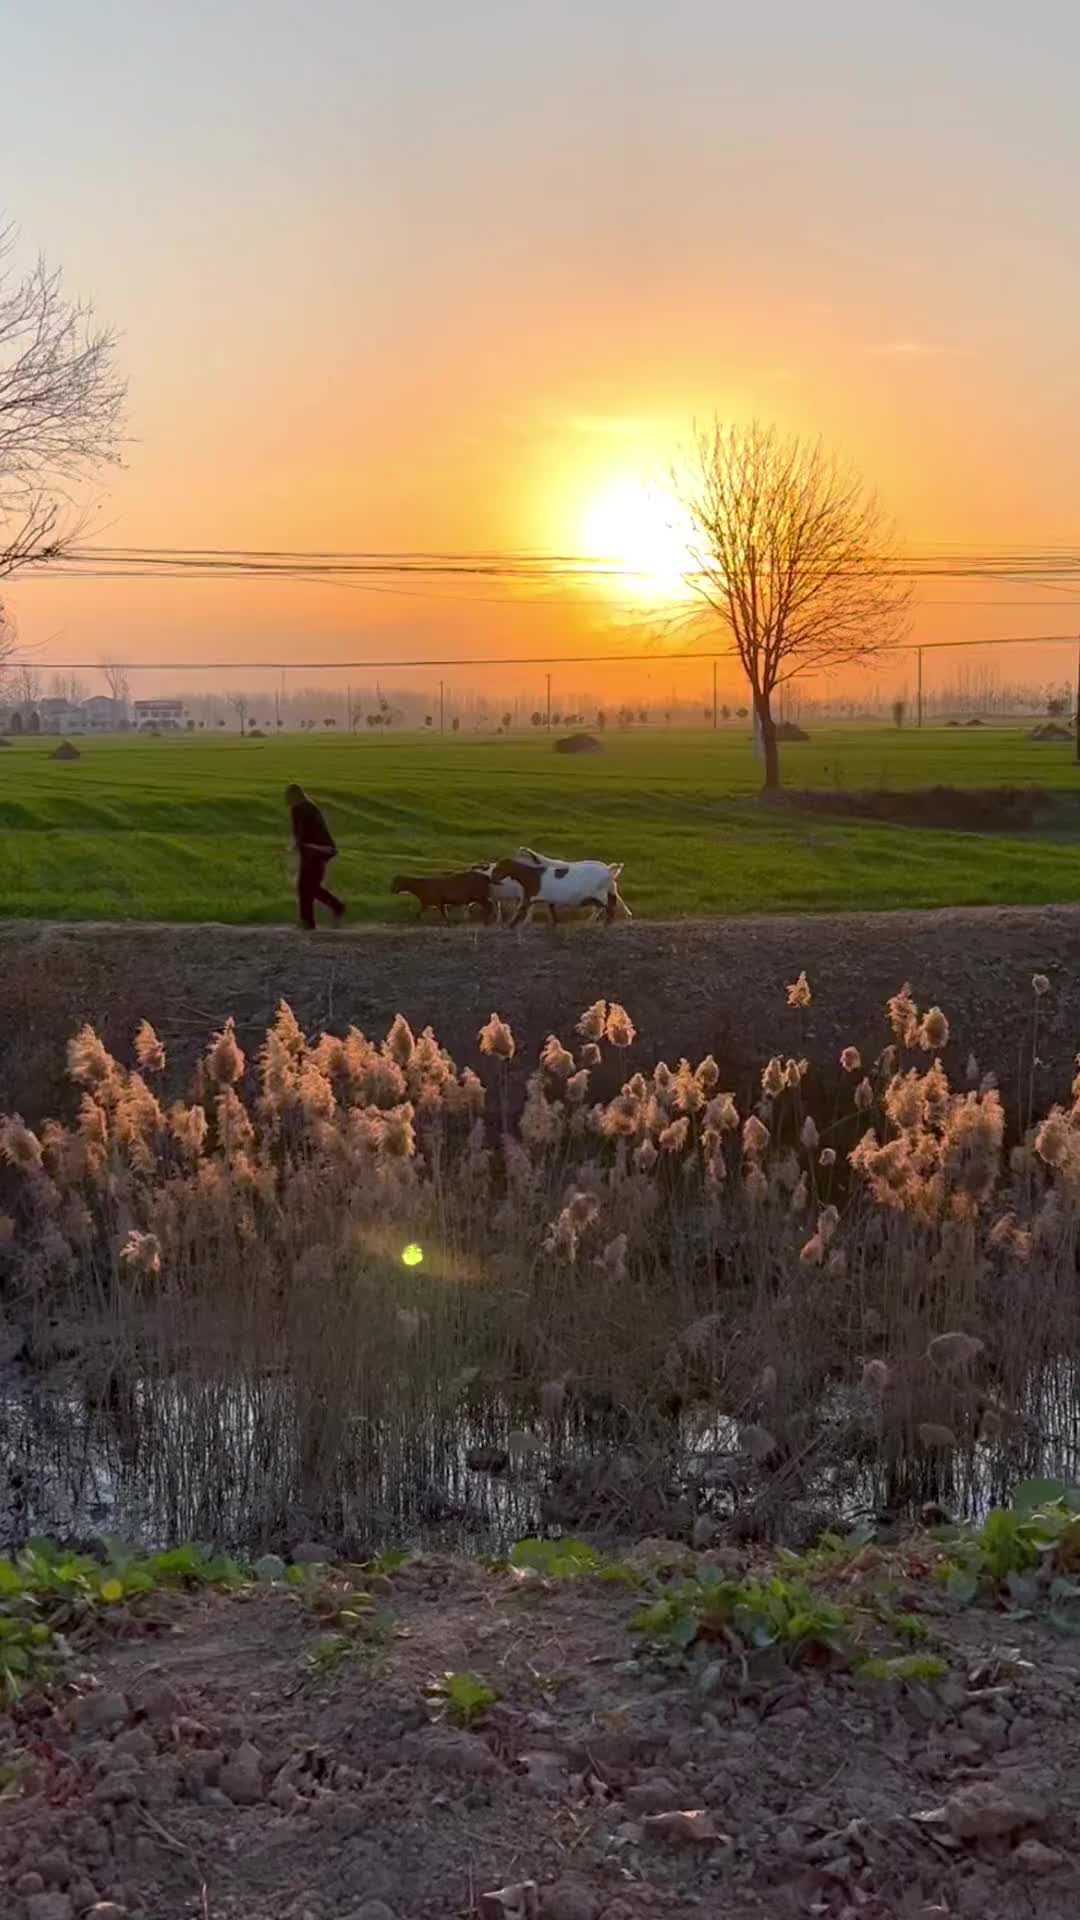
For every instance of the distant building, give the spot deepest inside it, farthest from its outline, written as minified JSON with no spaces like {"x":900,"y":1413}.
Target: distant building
{"x":159,"y":713}
{"x":103,"y":714}
{"x":61,"y":715}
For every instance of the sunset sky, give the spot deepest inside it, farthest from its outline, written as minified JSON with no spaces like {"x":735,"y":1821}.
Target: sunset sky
{"x":461,"y":278}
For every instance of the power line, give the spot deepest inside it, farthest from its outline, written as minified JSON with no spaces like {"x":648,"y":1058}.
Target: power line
{"x":668,"y":658}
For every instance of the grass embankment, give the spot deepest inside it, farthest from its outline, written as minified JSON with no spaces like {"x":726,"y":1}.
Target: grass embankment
{"x":191,"y":829}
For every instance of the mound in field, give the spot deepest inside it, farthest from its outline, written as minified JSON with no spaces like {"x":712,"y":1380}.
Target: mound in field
{"x":789,"y":730}
{"x":965,"y":809}
{"x":1051,"y":733}
{"x":4,"y":742}
{"x":65,"y":751}
{"x":579,"y":743}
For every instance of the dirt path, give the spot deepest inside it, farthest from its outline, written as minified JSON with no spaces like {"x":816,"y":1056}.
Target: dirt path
{"x":691,"y":986}
{"x":221,"y":1756}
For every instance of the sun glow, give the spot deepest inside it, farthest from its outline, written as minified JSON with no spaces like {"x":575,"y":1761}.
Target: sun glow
{"x":642,"y":536}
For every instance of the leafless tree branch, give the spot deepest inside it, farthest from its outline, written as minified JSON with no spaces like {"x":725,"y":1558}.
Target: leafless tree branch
{"x":61,"y":409}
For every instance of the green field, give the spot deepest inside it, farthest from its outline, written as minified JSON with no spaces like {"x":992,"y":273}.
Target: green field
{"x":195,"y":829}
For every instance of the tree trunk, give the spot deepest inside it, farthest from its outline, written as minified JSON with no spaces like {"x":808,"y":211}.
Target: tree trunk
{"x":769,"y":744}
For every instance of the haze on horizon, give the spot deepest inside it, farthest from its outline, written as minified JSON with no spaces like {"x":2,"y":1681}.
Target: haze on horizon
{"x":463,"y":280}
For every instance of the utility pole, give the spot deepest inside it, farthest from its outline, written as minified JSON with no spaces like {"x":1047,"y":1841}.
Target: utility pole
{"x":442,"y":706}
{"x":715,"y":715}
{"x":918,"y":655}
{"x":549,"y":703}
{"x":1078,"y":702}
{"x":348,"y":709}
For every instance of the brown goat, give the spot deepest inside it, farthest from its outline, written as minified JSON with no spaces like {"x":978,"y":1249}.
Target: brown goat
{"x":442,"y":890}
{"x":528,"y":879}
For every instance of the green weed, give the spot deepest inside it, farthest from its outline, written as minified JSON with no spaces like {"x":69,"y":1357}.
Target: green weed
{"x":904,"y":1666}
{"x":777,"y":1613}
{"x":467,"y":1697}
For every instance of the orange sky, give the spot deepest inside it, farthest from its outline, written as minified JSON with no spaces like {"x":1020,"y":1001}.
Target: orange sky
{"x":442,"y":280}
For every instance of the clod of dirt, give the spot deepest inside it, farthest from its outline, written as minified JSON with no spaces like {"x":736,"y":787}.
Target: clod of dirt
{"x":159,"y":1701}
{"x":55,"y":1868}
{"x":65,"y":751}
{"x":545,"y":1772}
{"x":692,"y":1827}
{"x":136,"y":1743}
{"x":241,"y":1777}
{"x":568,"y":1901}
{"x":988,"y":1809}
{"x":49,"y":1906}
{"x":519,"y":1902}
{"x":461,"y":1753}
{"x":1036,"y":1858}
{"x":99,"y":1712}
{"x":107,"y":1910}
{"x":653,"y":1796}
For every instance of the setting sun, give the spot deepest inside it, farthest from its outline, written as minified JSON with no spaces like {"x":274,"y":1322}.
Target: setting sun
{"x":641,"y":533}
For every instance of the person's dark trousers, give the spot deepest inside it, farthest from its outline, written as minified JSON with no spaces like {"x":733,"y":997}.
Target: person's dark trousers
{"x":309,"y":888}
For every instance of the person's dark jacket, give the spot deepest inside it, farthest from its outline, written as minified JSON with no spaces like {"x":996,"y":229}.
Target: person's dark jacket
{"x":310,"y":830}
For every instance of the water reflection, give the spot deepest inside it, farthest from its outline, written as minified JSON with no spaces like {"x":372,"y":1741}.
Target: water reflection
{"x":250,"y":1462}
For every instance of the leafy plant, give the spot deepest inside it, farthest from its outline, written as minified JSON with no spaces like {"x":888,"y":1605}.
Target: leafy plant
{"x":467,"y":1697}
{"x":1014,"y":1543}
{"x":390,"y":1561}
{"x":557,"y":1559}
{"x":776,"y":1613}
{"x":29,"y":1654}
{"x":329,"y":1652}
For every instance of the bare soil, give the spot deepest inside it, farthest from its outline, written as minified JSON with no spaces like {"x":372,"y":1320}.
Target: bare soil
{"x":691,"y":986}
{"x":203,"y":1768}
{"x":959,"y":809}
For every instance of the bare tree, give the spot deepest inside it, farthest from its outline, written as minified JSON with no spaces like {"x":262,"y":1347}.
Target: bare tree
{"x":25,"y":684}
{"x":792,"y":555}
{"x":239,"y":704}
{"x":115,"y":678}
{"x":61,"y":409}
{"x":67,"y":686}
{"x":9,"y":640}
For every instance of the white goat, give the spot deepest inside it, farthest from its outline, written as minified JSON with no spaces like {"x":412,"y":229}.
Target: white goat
{"x":562,"y":883}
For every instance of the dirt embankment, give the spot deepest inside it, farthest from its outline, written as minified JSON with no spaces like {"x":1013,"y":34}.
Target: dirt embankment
{"x":228,"y":1758}
{"x":692,"y":987}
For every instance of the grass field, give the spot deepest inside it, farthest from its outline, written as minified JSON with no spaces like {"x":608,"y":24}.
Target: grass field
{"x":195,"y":829}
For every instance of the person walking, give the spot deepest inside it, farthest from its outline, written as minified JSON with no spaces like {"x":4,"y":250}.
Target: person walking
{"x":315,"y":849}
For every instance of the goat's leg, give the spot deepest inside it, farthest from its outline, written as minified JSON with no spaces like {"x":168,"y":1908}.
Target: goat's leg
{"x":554,"y":915}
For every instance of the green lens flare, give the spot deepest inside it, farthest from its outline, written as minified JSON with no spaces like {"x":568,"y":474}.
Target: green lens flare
{"x":412,"y":1255}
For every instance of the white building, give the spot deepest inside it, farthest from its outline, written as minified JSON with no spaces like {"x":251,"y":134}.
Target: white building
{"x":103,"y":714}
{"x":160,"y":713}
